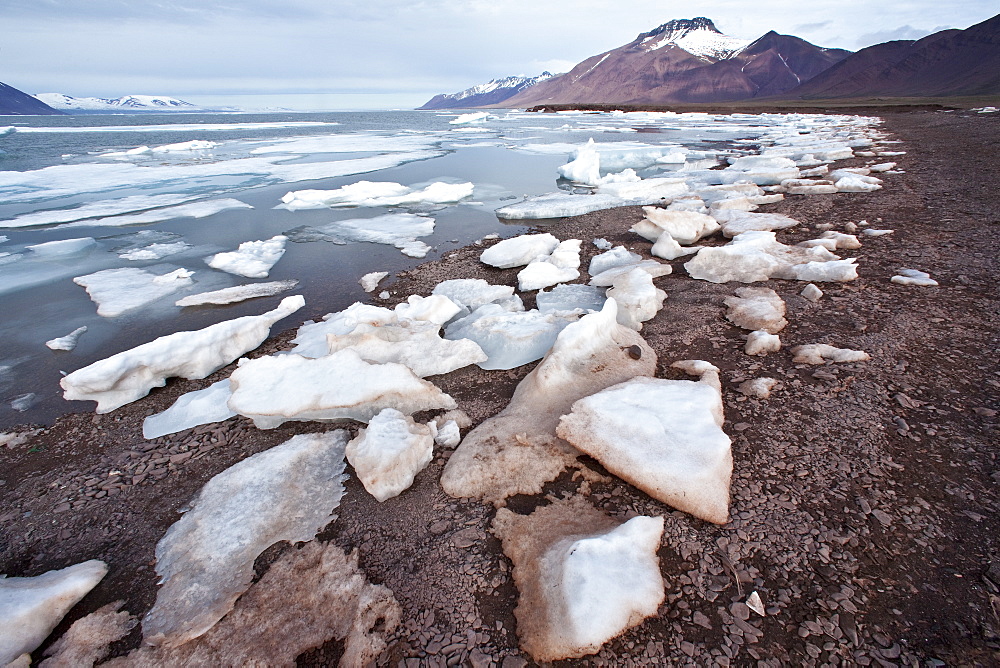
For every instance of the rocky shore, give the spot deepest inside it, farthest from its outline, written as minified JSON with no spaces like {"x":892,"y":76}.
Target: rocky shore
{"x":864,"y":507}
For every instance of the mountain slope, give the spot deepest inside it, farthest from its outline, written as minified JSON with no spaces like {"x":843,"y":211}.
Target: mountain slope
{"x":13,"y":101}
{"x":126,"y":103}
{"x":686,"y":60}
{"x":492,"y":93}
{"x":950,"y":62}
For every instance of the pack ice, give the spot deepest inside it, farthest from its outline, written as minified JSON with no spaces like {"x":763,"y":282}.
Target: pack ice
{"x":370,"y":193}
{"x":130,"y":375}
{"x":31,"y":607}
{"x":516,"y":451}
{"x":274,"y":390}
{"x":205,"y":560}
{"x":117,"y":291}
{"x":757,"y":256}
{"x":252,"y":259}
{"x":663,"y":436}
{"x":582,"y":577}
{"x":389,"y":453}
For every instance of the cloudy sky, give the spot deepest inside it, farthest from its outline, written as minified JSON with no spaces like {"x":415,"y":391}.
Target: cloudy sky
{"x":386,"y":53}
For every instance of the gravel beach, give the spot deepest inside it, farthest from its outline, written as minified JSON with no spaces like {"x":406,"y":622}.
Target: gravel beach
{"x":864,"y":499}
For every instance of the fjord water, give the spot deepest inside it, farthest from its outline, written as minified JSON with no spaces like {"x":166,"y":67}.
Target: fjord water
{"x":62,"y":165}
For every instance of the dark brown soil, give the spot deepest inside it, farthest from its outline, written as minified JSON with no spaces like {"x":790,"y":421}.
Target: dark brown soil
{"x":864,"y":496}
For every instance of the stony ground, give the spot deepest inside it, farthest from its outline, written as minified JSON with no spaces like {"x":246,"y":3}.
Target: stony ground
{"x":864,"y":496}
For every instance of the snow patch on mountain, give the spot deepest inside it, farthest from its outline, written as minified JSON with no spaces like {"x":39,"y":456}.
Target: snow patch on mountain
{"x":124,"y":103}
{"x":491,"y":92}
{"x":697,"y":36}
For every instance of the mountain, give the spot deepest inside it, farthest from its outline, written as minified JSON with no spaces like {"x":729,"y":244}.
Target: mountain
{"x":15,"y":102}
{"x":686,"y":60}
{"x":950,"y":62}
{"x":127,"y":103}
{"x":492,"y":93}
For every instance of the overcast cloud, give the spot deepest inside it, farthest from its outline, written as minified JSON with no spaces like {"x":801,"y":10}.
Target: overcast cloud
{"x":404,"y":50}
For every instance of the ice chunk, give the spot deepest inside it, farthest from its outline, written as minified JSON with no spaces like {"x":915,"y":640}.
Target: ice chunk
{"x":824,"y":271}
{"x":857,"y":183}
{"x":821,"y":353}
{"x":812,"y":293}
{"x":130,"y":375}
{"x":390,"y":452}
{"x":448,"y":434}
{"x":88,"y":640}
{"x":370,"y":281}
{"x":569,"y":298}
{"x":474,"y":117}
{"x":638,"y":299}
{"x":759,"y":388}
{"x":472,"y":293}
{"x":437,"y":309}
{"x":614,"y":257}
{"x":561,"y":205}
{"x":757,"y":256}
{"x":582,"y":577}
{"x":205,"y":560}
{"x":913,"y":277}
{"x":607,"y":277}
{"x":666,"y":247}
{"x":516,"y":451}
{"x":63,"y":247}
{"x":371,"y":193}
{"x":274,"y":390}
{"x":252,"y":259}
{"x":757,"y":308}
{"x":882,"y":167}
{"x":645,"y":191}
{"x":155,"y":251}
{"x":67,"y":342}
{"x":311,"y":341}
{"x":519,"y":251}
{"x":762,"y":343}
{"x":394,"y":229}
{"x":31,"y":607}
{"x":585,"y":168}
{"x":761,"y":169}
{"x":509,"y":338}
{"x":736,"y":222}
{"x":116,"y":291}
{"x":190,"y":410}
{"x":238,"y":293}
{"x":663,"y":436}
{"x":602,"y":244}
{"x":686,"y":227}
{"x":561,"y":266}
{"x":877,"y":233}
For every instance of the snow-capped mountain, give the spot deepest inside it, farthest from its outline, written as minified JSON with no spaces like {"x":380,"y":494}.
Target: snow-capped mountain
{"x":126,"y":103}
{"x":697,"y":36}
{"x":493,"y":92}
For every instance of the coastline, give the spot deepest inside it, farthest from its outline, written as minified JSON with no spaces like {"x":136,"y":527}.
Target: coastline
{"x":800,"y":534}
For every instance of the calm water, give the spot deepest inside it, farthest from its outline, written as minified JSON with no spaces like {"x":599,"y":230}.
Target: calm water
{"x":61,"y":164}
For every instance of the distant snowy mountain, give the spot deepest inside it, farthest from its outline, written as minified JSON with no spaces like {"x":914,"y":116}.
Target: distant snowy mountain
{"x":697,"y":36}
{"x":16,"y":102}
{"x":492,"y":93}
{"x":127,"y":103}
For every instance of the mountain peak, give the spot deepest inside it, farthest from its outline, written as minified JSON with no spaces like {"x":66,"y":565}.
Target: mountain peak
{"x":697,"y":36}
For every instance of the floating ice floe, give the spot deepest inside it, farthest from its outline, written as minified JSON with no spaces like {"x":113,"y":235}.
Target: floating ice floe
{"x":252,"y":259}
{"x":277,"y":389}
{"x":761,"y":342}
{"x":192,"y":210}
{"x":519,"y":251}
{"x":389,"y":453}
{"x":63,"y":247}
{"x":638,"y":299}
{"x":585,"y":168}
{"x":370,"y":281}
{"x":756,"y":308}
{"x":685,"y":227}
{"x":582,"y":577}
{"x":67,"y":342}
{"x":737,"y":222}
{"x":558,"y":267}
{"x":474,"y":117}
{"x":116,"y":291}
{"x":130,"y":375}
{"x":821,"y":353}
{"x":155,"y":251}
{"x":913,"y":277}
{"x":758,"y":256}
{"x":372,"y":193}
{"x":30,"y":608}
{"x":812,"y":293}
{"x":205,"y":560}
{"x":238,"y":293}
{"x":570,"y":297}
{"x":191,"y":410}
{"x":663,"y":436}
{"x":394,"y":229}
{"x":509,"y":338}
{"x":516,"y":451}
{"x":195,"y":145}
{"x":609,"y":195}
{"x":97,"y":209}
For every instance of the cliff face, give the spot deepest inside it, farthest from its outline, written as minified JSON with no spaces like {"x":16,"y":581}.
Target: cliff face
{"x":18,"y":103}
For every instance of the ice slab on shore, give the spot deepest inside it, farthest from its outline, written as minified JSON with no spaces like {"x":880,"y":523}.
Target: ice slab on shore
{"x":858,"y":183}
{"x":130,"y":375}
{"x":205,"y":560}
{"x":277,"y":389}
{"x":31,"y":607}
{"x":761,"y":342}
{"x":252,"y":259}
{"x":191,"y":410}
{"x":663,"y":436}
{"x":812,"y":293}
{"x":761,"y":169}
{"x":376,"y":193}
{"x":756,"y":308}
{"x":509,"y":338}
{"x":913,"y":277}
{"x":472,"y":293}
{"x":737,"y":222}
{"x":516,"y":451}
{"x":560,"y":266}
{"x":613,"y":257}
{"x":821,"y":353}
{"x":610,"y":195}
{"x":758,"y":256}
{"x":519,"y":251}
{"x":390,"y":452}
{"x":67,"y":342}
{"x":116,"y":291}
{"x":370,"y":281}
{"x":638,"y":299}
{"x":570,"y":297}
{"x":686,"y":227}
{"x":652,"y":267}
{"x":311,"y":338}
{"x":759,"y":388}
{"x":582,"y":577}
{"x":238,"y":293}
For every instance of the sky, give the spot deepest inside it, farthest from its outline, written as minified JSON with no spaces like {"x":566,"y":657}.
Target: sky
{"x":386,"y":53}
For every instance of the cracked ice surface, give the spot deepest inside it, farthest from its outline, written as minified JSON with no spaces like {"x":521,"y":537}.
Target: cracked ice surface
{"x":205,"y":560}
{"x":130,"y":375}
